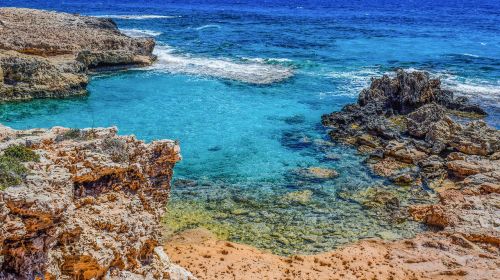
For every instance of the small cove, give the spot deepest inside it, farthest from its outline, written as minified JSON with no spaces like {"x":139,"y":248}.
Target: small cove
{"x":242,"y":144}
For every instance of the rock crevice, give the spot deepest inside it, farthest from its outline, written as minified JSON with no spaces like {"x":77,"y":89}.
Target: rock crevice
{"x":90,"y":208}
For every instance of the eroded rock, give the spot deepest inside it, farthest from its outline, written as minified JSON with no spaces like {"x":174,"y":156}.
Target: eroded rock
{"x":48,"y":54}
{"x":90,"y":208}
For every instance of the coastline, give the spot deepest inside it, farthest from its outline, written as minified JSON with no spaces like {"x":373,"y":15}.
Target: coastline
{"x":47,"y":54}
{"x":395,"y":129}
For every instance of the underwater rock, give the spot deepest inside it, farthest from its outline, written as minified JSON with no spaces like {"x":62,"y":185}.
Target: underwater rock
{"x":297,"y":119}
{"x":300,"y":197}
{"x":316,"y":173}
{"x":184,"y":183}
{"x":48,"y":54}
{"x":81,"y":211}
{"x":295,"y":139}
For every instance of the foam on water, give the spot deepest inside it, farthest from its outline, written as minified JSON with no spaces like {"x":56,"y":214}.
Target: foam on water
{"x":252,"y":73}
{"x":486,"y":91}
{"x":352,"y":82}
{"x":208,"y":26}
{"x":134,"y":32}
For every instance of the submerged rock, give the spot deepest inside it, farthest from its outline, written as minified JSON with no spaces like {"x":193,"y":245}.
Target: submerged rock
{"x":89,"y":208}
{"x":300,"y":197}
{"x":49,"y":54}
{"x":316,"y":173}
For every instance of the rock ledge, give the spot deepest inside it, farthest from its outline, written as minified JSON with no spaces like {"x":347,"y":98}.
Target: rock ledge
{"x":48,"y":54}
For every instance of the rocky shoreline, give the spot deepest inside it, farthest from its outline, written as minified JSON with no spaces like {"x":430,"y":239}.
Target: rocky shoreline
{"x":413,"y":133}
{"x":84,"y":204}
{"x":48,"y":55}
{"x":88,"y":204}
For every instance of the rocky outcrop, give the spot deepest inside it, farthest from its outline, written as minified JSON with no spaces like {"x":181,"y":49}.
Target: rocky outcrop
{"x":84,"y":204}
{"x":406,"y":127}
{"x":409,"y":119}
{"x":49,"y":54}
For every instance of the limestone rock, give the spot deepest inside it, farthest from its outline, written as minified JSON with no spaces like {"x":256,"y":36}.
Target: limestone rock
{"x":89,"y":209}
{"x":420,"y":120}
{"x":49,"y":54}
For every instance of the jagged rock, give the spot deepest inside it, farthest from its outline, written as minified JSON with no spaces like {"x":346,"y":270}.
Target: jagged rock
{"x":472,"y":165}
{"x":404,"y":120}
{"x":402,"y":94}
{"x":419,"y":121}
{"x":441,"y":133}
{"x":48,"y":54}
{"x":477,"y":138}
{"x":410,"y":90}
{"x":90,"y":208}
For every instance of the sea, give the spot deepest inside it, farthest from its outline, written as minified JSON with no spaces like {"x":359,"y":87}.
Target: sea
{"x":242,"y":86}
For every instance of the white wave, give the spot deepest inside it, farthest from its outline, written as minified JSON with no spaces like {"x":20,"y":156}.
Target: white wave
{"x":473,"y":88}
{"x":266,"y":60}
{"x":252,"y":73}
{"x":133,"y":32}
{"x":352,"y":82}
{"x":471,"y":55}
{"x":137,"y":17}
{"x":208,"y":26}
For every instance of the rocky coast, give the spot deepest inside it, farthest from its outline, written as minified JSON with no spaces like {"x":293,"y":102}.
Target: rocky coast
{"x":47,"y":54}
{"x":415,"y":134}
{"x":89,"y":204}
{"x":84,"y":204}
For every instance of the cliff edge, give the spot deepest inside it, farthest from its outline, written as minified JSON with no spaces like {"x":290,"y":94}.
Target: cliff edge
{"x":83,"y":204}
{"x":48,"y":54}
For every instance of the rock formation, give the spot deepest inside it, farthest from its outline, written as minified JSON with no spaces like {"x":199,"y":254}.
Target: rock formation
{"x":84,"y":204}
{"x":48,"y":54}
{"x":408,"y":120}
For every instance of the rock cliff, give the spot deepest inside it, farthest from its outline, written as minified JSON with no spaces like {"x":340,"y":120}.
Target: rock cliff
{"x":49,"y":54}
{"x":83,"y":204}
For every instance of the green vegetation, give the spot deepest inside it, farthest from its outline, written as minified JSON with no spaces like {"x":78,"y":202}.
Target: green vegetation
{"x":11,"y":168}
{"x":73,"y":133}
{"x":21,"y":153}
{"x":116,"y":148}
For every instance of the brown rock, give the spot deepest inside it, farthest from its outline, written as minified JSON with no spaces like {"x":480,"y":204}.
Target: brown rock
{"x":90,"y":207}
{"x":47,"y":54}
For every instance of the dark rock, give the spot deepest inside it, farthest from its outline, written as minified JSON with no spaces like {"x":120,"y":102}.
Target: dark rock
{"x":420,"y":120}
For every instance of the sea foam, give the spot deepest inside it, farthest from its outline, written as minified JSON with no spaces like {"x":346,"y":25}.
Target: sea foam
{"x":252,"y":73}
{"x":133,"y":32}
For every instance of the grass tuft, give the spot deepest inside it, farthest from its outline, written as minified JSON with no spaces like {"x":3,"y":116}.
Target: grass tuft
{"x":12,"y":170}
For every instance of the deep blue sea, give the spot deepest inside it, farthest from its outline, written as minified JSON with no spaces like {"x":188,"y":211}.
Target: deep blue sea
{"x":243,"y":84}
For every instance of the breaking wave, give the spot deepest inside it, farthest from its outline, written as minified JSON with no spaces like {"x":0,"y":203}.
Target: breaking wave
{"x":485,"y":91}
{"x":350,"y":83}
{"x":133,"y":32}
{"x":252,"y":73}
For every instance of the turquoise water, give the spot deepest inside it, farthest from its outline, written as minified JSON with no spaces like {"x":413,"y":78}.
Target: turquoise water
{"x":242,"y":142}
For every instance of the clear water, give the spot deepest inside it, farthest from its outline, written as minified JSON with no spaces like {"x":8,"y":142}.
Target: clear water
{"x":241,"y":142}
